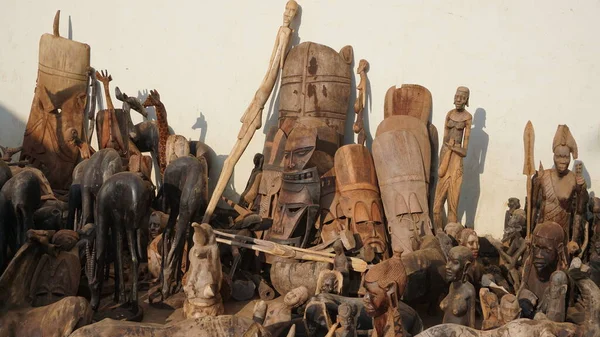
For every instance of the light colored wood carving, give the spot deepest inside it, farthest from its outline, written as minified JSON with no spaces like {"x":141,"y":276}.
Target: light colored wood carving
{"x":361,"y":101}
{"x":177,"y":146}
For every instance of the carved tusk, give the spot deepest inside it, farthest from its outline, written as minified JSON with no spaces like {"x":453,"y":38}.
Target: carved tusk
{"x":209,"y":292}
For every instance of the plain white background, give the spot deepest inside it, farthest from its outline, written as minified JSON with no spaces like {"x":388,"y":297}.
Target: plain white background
{"x":522,"y":60}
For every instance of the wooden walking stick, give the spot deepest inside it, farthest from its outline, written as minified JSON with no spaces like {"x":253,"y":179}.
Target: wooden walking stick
{"x":252,"y":118}
{"x":529,"y":169}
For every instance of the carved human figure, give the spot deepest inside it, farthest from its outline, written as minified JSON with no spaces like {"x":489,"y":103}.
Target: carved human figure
{"x":509,"y":309}
{"x":553,"y":303}
{"x":384,"y":285}
{"x":457,"y":129}
{"x":346,"y":319}
{"x":513,"y":204}
{"x":361,"y":100}
{"x":330,"y":282}
{"x":459,"y":304}
{"x":517,"y":246}
{"x":205,"y":276}
{"x":490,"y":309}
{"x":252,"y":118}
{"x":282,"y":311}
{"x":547,"y":255}
{"x":560,"y":195}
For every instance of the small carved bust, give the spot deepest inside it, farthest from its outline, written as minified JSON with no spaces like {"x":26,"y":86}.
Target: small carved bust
{"x":384,"y":284}
{"x":468,"y":238}
{"x":347,"y":320}
{"x":330,"y":282}
{"x":454,"y":229}
{"x":282,"y":311}
{"x":553,"y":304}
{"x":509,"y":309}
{"x":459,"y":304}
{"x":547,"y":255}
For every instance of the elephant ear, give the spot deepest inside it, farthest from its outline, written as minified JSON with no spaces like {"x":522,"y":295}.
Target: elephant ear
{"x":44,"y":100}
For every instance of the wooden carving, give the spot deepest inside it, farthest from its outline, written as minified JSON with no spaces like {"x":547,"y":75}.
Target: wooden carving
{"x":330,"y":282}
{"x":553,"y":304}
{"x":177,"y":147}
{"x":384,"y":285}
{"x":252,"y":118}
{"x":58,"y":107}
{"x":316,"y":82}
{"x":457,"y":129}
{"x":528,"y":168}
{"x":203,"y":285}
{"x":359,"y":198}
{"x":271,"y":179}
{"x":361,"y":101}
{"x":560,"y":193}
{"x":163,"y":127}
{"x":250,"y":194}
{"x":490,"y":309}
{"x":111,"y":124}
{"x":547,"y":254}
{"x":281,"y":311}
{"x":459,"y":304}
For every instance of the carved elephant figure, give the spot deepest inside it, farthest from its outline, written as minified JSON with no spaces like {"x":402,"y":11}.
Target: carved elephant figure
{"x":101,"y":166}
{"x":185,"y":193}
{"x":123,"y":207}
{"x":5,"y":173}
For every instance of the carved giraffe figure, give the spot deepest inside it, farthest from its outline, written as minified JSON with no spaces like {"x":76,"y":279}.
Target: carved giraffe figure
{"x":163,"y":127}
{"x":110,"y":134}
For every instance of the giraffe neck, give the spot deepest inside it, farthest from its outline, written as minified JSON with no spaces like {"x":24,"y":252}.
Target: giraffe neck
{"x":163,"y":134}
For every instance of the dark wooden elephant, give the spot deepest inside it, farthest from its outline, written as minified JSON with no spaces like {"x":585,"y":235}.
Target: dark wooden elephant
{"x":101,"y":166}
{"x":123,"y":208}
{"x":185,"y":193}
{"x":5,"y":173}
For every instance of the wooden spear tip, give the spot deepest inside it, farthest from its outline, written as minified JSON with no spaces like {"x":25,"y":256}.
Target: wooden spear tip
{"x":56,"y":23}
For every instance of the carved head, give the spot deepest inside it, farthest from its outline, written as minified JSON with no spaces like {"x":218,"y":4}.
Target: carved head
{"x":296,"y":297}
{"x":346,"y":313}
{"x":291,"y":8}
{"x":384,"y":284}
{"x":156,"y":224}
{"x":468,"y":238}
{"x":299,"y":148}
{"x":461,"y":98}
{"x":548,"y":249}
{"x":203,"y":234}
{"x":311,"y":143}
{"x":453,"y":229}
{"x":363,"y":66}
{"x":460,"y":259}
{"x":563,"y":145}
{"x":514,"y":203}
{"x":509,"y":308}
{"x":330,"y":282}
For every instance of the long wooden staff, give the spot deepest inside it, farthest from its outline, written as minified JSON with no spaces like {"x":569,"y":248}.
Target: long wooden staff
{"x":285,"y":251}
{"x":529,"y":169}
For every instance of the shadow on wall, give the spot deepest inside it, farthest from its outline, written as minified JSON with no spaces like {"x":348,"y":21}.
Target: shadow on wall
{"x":12,"y":128}
{"x":474,"y":165}
{"x":202,"y":125}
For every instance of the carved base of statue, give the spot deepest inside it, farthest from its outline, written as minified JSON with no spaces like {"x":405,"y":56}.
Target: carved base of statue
{"x":197,"y":308}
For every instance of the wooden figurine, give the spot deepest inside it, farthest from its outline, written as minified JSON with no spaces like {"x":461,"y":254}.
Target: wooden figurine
{"x":402,"y":157}
{"x":282,"y":311}
{"x":330,"y":282}
{"x":361,"y":101}
{"x":513,"y":205}
{"x":346,"y":319}
{"x":205,"y":276}
{"x":359,"y":202}
{"x":384,"y":285}
{"x":57,"y":111}
{"x":250,"y":193}
{"x":162,"y":125}
{"x":457,"y":129}
{"x":513,"y":246}
{"x":112,"y":126}
{"x":560,"y":193}
{"x":252,"y":118}
{"x":547,"y":255}
{"x":459,"y":304}
{"x":553,"y":303}
{"x":509,"y":309}
{"x":177,"y":146}
{"x":490,"y":309}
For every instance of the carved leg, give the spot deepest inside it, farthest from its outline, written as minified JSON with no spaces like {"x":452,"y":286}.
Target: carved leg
{"x":27,"y":216}
{"x":441,"y":194}
{"x":176,"y":253}
{"x":119,"y":265}
{"x":100,"y":259}
{"x":131,"y":241}
{"x":453,"y":197}
{"x":74,"y":205}
{"x":87,"y":206}
{"x":167,"y":271}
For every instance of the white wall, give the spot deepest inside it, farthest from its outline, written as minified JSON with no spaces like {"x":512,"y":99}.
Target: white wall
{"x":521,"y":59}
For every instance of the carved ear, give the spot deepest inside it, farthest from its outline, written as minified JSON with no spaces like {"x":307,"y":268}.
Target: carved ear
{"x":347,"y":54}
{"x":465,"y":271}
{"x":392,"y":294}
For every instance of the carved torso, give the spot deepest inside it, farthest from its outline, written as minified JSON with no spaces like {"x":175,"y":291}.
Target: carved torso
{"x":557,"y":196}
{"x":456,"y":305}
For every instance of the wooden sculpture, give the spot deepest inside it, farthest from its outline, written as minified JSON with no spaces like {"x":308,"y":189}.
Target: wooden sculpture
{"x":58,"y":107}
{"x":517,"y":245}
{"x":271,"y":178}
{"x":282,"y":311}
{"x":459,"y":304}
{"x":560,"y":195}
{"x":528,"y":169}
{"x":361,"y":101}
{"x":316,"y":82}
{"x":112,"y":129}
{"x":204,"y":277}
{"x":176,"y":147}
{"x":252,"y":118}
{"x":490,"y":309}
{"x":547,"y":255}
{"x":553,"y":303}
{"x":384,"y":284}
{"x":360,"y":208}
{"x":251,"y":191}
{"x":330,"y":282}
{"x":163,"y":127}
{"x":347,"y":321}
{"x":457,"y":129}
{"x":402,"y":157}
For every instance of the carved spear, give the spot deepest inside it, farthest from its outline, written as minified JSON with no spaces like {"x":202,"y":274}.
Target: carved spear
{"x":529,"y":168}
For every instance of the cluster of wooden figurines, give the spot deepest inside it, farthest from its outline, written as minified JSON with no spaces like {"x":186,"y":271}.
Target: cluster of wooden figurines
{"x":320,"y":223}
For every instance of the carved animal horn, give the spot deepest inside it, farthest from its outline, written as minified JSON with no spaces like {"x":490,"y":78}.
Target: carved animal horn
{"x":210,"y":291}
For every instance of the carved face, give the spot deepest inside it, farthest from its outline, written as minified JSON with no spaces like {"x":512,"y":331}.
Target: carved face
{"x":514,"y":203}
{"x":545,"y":255}
{"x":372,"y":234}
{"x":291,"y":8}
{"x":375,"y":300}
{"x":562,"y":159}
{"x":473,"y":244}
{"x":509,"y":308}
{"x":456,"y":265}
{"x":461,"y":99}
{"x":299,"y":148}
{"x":329,"y":285}
{"x":296,"y":297}
{"x":155,"y":229}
